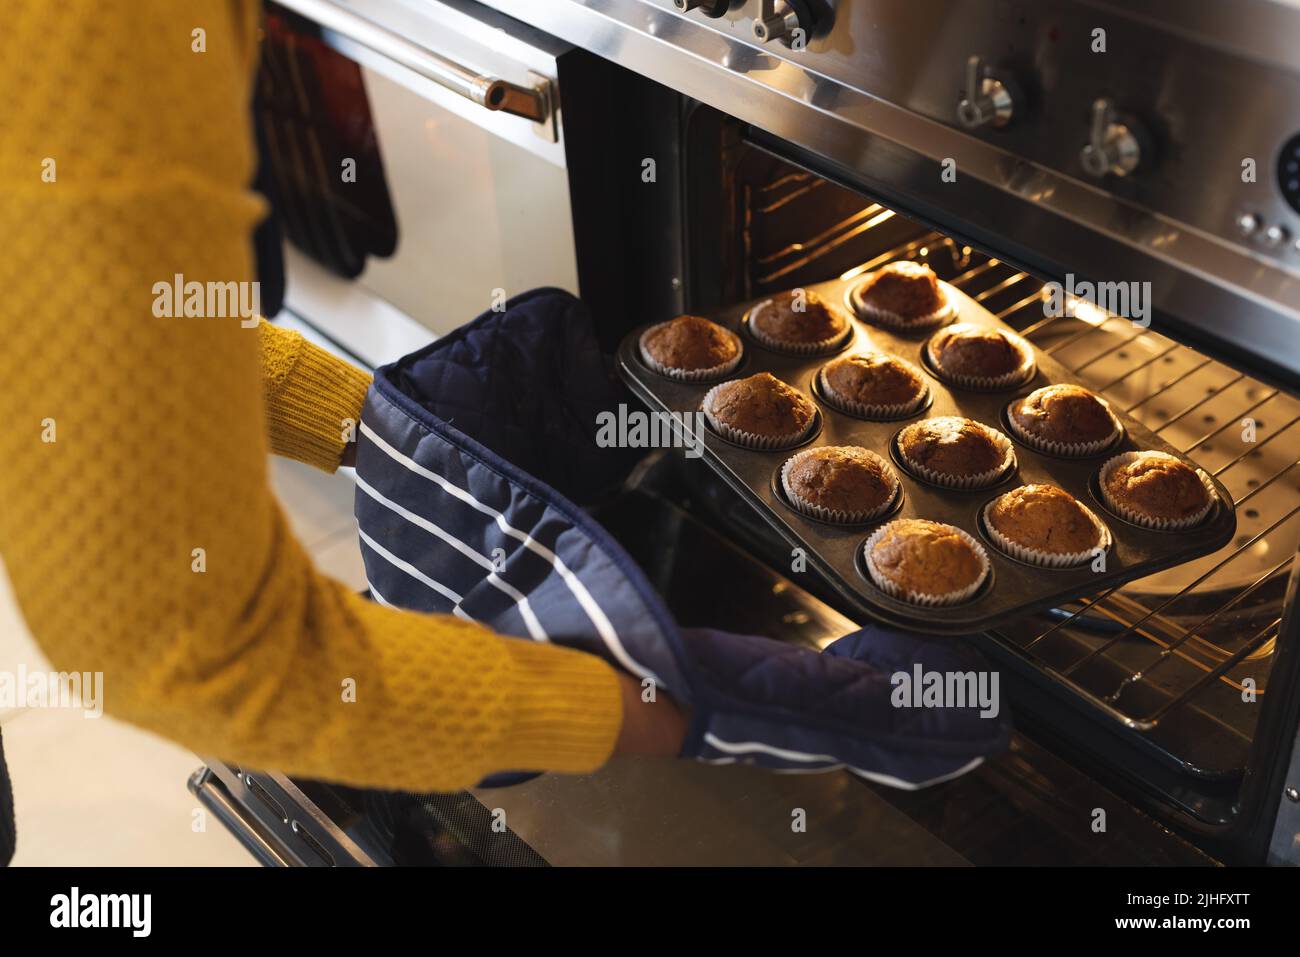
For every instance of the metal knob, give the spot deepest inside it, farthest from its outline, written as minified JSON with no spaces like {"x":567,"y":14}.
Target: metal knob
{"x":777,"y":20}
{"x":987,"y":102}
{"x":1113,"y":146}
{"x":710,"y":8}
{"x":1274,"y":236}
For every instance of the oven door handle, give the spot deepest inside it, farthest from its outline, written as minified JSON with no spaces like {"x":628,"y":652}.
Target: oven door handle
{"x":490,"y":92}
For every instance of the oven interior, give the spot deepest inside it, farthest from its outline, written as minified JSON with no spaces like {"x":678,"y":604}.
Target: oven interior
{"x":1173,"y":669}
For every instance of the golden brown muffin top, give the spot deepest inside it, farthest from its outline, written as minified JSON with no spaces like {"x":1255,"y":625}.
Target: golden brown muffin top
{"x":905,"y":288}
{"x":845,"y":477}
{"x":1063,"y":413}
{"x":969,"y":350}
{"x":690,"y":343}
{"x":799,"y":315}
{"x":873,"y":378}
{"x":952,"y":445}
{"x":927,"y":557}
{"x":762,"y":405}
{"x":1044,"y":518}
{"x":1158,"y":485}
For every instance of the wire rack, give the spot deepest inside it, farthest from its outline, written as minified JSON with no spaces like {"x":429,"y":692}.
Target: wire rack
{"x":1186,"y":653}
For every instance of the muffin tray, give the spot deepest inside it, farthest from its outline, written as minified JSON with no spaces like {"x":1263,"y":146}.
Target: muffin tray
{"x":1013,"y":588}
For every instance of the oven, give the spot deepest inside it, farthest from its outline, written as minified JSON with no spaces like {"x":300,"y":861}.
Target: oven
{"x":706,"y":152}
{"x":415,"y":183}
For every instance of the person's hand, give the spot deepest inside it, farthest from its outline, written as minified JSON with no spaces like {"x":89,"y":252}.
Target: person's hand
{"x":656,"y":728}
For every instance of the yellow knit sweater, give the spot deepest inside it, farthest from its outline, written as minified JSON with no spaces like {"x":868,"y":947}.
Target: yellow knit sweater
{"x":136,"y":522}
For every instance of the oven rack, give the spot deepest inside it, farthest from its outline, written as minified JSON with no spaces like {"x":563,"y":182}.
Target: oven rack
{"x":1259,"y":639}
{"x":1205,"y":661}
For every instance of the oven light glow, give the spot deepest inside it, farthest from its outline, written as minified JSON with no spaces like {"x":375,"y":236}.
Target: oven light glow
{"x":874,"y":221}
{"x":1089,"y":313}
{"x":1080,"y":309}
{"x":877,"y":219}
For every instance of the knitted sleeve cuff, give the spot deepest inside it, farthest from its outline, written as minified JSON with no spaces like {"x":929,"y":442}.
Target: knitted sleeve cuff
{"x":567,"y":710}
{"x":313,"y":399}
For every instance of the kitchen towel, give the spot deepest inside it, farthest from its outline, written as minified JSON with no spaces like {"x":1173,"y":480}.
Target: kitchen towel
{"x":471,"y":458}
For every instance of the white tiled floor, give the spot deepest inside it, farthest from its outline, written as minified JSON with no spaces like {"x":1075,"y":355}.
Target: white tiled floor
{"x":105,"y":793}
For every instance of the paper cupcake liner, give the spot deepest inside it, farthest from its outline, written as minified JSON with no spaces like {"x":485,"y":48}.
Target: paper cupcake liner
{"x":764,"y":443}
{"x":1048,"y":559}
{"x":692,"y":375}
{"x":1146,"y":521}
{"x":921,"y":598}
{"x":1069,"y":450}
{"x":978,"y":480}
{"x":865,"y":410}
{"x":833,"y":515}
{"x":820,"y":347}
{"x":1017,"y":376}
{"x":893,"y":320}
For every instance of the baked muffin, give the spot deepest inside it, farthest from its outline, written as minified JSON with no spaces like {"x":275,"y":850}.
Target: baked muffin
{"x":760,"y":412}
{"x":955,"y":452}
{"x":798,"y":321}
{"x":872,"y":385}
{"x":924,"y":562}
{"x":1155,"y":489}
{"x":1063,"y":419}
{"x":1044,"y":525}
{"x":903,"y":295}
{"x":979,"y":356}
{"x":690,"y":348}
{"x":843,"y":483}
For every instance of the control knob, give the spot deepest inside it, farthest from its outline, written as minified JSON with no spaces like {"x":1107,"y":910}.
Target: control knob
{"x":789,"y":21}
{"x":988,"y":101}
{"x":710,"y":8}
{"x":1114,"y":146}
{"x":1274,"y":236}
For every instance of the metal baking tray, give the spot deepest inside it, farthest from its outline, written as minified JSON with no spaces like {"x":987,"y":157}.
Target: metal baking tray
{"x":834,"y":552}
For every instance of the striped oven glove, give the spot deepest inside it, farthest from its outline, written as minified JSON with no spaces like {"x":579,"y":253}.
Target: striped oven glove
{"x":470,"y":456}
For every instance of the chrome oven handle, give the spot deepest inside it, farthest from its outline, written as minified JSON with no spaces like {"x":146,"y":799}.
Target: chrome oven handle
{"x":490,"y":92}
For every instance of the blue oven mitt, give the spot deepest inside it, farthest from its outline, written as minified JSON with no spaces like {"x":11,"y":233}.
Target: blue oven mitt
{"x":760,"y":701}
{"x":469,"y":456}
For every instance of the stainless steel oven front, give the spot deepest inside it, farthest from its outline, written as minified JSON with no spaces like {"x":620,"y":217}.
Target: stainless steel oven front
{"x":1012,"y":144}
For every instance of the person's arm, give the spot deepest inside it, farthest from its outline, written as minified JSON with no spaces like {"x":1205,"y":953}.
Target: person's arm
{"x":313,"y":399}
{"x":136,"y":523}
